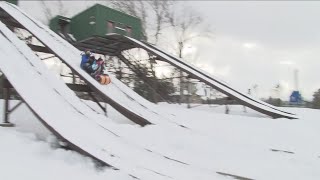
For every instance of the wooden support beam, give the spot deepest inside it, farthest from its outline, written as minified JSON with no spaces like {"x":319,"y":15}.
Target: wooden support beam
{"x":6,"y":96}
{"x":15,"y":107}
{"x":99,"y":51}
{"x":3,"y":14}
{"x":52,"y":56}
{"x":96,"y":100}
{"x":6,"y":83}
{"x":234,"y":176}
{"x":100,"y":45}
{"x":11,"y":23}
{"x":103,"y":39}
{"x":79,"y":87}
{"x":39,"y":48}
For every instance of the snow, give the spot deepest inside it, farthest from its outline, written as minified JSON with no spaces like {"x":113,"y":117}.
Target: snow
{"x":65,"y":111}
{"x":244,"y":144}
{"x":23,"y":156}
{"x":217,"y":142}
{"x":238,"y":145}
{"x":72,"y":37}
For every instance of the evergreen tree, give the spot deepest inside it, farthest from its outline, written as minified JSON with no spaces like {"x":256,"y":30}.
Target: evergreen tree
{"x":163,"y":90}
{"x":316,"y":99}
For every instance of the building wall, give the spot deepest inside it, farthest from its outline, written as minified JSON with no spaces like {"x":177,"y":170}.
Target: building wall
{"x":56,"y":27}
{"x":95,"y":20}
{"x":13,"y":1}
{"x":53,"y":24}
{"x":120,"y":20}
{"x":101,"y":15}
{"x":81,"y":28}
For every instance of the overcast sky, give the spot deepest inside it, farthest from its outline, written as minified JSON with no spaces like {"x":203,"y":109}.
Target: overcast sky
{"x":254,"y":42}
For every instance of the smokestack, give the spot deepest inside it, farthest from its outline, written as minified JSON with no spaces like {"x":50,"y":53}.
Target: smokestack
{"x":296,"y":81}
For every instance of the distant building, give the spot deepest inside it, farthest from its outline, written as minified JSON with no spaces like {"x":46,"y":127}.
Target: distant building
{"x":97,"y":20}
{"x":296,"y":98}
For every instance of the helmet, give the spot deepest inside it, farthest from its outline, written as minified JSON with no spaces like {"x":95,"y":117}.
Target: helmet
{"x":87,"y":52}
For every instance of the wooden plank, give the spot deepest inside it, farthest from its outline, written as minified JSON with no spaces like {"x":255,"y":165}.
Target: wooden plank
{"x":277,"y":150}
{"x":6,"y":95}
{"x":234,"y":176}
{"x":103,"y":51}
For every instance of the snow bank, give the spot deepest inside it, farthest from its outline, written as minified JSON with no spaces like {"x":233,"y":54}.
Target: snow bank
{"x":23,"y":156}
{"x":253,"y":147}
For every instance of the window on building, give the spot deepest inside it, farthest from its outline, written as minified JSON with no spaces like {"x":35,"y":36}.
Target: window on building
{"x":129,"y":31}
{"x":92,"y":20}
{"x":110,"y":27}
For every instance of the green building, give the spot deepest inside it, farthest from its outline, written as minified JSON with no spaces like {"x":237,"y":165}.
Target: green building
{"x":97,"y":20}
{"x":61,"y":25}
{"x":13,"y":1}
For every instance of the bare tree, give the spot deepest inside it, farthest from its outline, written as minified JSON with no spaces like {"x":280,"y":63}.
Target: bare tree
{"x":49,"y":11}
{"x":61,"y":8}
{"x":160,"y":9}
{"x":152,"y":14}
{"x":186,"y":27}
{"x":133,"y":8}
{"x":164,"y":19}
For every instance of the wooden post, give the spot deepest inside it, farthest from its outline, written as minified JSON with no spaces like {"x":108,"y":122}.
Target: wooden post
{"x":181,"y":74}
{"x":73,"y":78}
{"x":227,"y":109}
{"x":189,"y":93}
{"x":6,"y":94}
{"x":97,"y":101}
{"x":105,"y":108}
{"x":6,"y":97}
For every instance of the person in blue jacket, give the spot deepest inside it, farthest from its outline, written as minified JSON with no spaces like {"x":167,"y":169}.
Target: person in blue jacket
{"x":87,"y":60}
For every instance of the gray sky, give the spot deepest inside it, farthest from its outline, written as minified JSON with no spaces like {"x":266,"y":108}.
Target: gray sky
{"x":254,"y":42}
{"x":263,"y":42}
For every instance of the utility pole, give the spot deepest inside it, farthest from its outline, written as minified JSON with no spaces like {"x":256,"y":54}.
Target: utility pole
{"x":189,"y":93}
{"x":180,"y":72}
{"x":296,"y":81}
